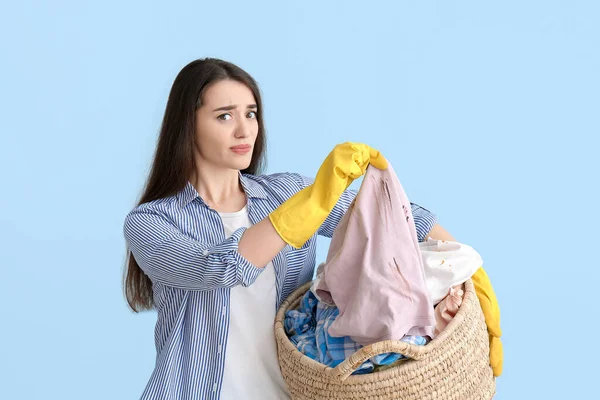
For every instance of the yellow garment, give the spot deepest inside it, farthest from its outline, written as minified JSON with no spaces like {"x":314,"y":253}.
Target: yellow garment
{"x":298,"y":218}
{"x":491,"y":312}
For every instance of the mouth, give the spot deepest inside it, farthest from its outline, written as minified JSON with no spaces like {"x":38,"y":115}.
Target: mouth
{"x":241,"y":149}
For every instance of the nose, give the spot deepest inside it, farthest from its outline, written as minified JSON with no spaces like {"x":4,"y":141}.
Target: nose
{"x":243,"y":130}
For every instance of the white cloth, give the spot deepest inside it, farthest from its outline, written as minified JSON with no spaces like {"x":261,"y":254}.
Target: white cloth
{"x":251,"y":363}
{"x":447,"y":264}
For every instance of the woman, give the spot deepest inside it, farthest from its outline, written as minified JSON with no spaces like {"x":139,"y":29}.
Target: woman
{"x":216,"y":246}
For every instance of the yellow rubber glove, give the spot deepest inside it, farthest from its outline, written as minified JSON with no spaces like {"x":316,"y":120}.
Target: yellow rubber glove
{"x":298,"y":218}
{"x":491,"y":312}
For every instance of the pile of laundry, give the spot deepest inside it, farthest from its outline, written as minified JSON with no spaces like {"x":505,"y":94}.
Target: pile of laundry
{"x":379,"y":282}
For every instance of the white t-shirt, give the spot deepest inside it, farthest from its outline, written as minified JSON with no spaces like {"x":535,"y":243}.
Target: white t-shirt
{"x":251,"y":365}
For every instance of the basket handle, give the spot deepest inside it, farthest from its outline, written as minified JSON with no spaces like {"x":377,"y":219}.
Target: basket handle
{"x":349,"y":365}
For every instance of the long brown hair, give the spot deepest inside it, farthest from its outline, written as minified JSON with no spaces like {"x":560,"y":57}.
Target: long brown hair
{"x":174,"y":161}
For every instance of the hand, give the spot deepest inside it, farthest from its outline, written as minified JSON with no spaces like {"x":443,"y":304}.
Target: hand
{"x":491,"y":312}
{"x":299,"y":217}
{"x":345,"y":163}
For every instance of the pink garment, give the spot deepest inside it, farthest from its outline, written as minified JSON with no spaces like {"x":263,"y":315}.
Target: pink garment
{"x":374,"y":269}
{"x":447,"y":308}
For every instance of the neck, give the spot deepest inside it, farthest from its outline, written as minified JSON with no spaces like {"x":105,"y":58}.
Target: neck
{"x":219,"y":188}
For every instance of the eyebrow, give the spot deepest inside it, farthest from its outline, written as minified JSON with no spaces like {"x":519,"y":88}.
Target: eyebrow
{"x":232,"y":107}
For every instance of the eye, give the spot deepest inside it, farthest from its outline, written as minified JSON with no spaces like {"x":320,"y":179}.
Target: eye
{"x":225,"y":117}
{"x":251,"y":114}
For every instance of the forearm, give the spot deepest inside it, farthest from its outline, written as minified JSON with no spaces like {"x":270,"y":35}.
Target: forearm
{"x":260,"y":243}
{"x":439,"y":233}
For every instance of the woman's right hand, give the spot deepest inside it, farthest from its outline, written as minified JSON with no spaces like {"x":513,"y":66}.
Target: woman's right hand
{"x":346,"y":162}
{"x":297,"y":219}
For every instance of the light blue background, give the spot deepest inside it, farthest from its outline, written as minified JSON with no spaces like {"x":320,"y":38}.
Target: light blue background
{"x":490,"y":114}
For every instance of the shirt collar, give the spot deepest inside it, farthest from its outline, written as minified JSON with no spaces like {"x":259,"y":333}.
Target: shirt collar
{"x":252,"y":189}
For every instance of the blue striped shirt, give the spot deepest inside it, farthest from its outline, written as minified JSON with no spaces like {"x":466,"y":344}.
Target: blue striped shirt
{"x":179,"y":242}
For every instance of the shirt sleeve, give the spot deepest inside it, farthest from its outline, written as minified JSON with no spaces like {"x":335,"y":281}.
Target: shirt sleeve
{"x":424,"y":219}
{"x":172,"y":258}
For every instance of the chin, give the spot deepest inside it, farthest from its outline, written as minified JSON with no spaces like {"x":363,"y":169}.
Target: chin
{"x":240,"y":165}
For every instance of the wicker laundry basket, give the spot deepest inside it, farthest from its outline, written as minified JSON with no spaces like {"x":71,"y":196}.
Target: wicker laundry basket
{"x":454,"y":365}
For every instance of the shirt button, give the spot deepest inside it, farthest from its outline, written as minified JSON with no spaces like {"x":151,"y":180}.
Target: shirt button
{"x":215,"y":387}
{"x":205,"y":252}
{"x":220,"y":348}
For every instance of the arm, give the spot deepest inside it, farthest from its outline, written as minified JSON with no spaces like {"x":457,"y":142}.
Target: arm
{"x":305,"y":213}
{"x":261,"y":243}
{"x":439,"y":233}
{"x":170,"y":257}
{"x":331,"y":222}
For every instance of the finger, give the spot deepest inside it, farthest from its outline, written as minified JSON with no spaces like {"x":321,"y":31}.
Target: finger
{"x":377,"y":159}
{"x":357,"y":167}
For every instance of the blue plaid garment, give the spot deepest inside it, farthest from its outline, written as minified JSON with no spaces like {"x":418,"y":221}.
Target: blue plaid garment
{"x":308,"y":329}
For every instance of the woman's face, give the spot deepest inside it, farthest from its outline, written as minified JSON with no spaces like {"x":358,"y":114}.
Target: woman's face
{"x":226,"y":119}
